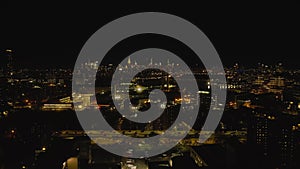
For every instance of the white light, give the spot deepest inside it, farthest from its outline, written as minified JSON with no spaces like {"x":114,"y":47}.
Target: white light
{"x":139,"y":89}
{"x":117,"y":97}
{"x":163,"y":106}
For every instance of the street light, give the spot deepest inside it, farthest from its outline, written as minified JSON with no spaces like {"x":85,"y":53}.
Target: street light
{"x":139,"y":89}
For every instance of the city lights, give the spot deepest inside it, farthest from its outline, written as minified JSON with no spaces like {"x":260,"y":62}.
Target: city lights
{"x":139,"y":89}
{"x":50,"y":81}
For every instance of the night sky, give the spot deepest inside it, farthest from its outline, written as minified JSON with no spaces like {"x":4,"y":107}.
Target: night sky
{"x":52,"y":34}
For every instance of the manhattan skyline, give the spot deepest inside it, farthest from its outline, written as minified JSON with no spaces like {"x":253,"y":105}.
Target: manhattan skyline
{"x":52,"y":35}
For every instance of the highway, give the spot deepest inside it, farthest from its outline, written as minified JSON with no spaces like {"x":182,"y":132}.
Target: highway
{"x":128,"y":163}
{"x":113,"y":137}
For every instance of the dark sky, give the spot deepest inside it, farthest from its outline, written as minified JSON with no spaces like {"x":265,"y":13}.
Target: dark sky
{"x":52,"y":34}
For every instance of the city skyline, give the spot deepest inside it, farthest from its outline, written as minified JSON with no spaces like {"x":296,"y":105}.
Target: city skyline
{"x":261,"y":114}
{"x":241,"y":35}
{"x":136,"y":110}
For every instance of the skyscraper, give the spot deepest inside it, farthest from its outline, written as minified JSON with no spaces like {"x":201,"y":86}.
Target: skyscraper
{"x":277,"y":136}
{"x":7,"y":62}
{"x":10,"y":59}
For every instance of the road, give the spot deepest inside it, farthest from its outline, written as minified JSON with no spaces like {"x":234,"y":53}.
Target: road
{"x":128,"y":163}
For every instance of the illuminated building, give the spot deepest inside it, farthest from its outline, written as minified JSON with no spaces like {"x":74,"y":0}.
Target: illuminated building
{"x":276,"y":82}
{"x":276,"y":135}
{"x":129,"y":61}
{"x":288,"y":140}
{"x":7,"y":62}
{"x":6,"y":75}
{"x":259,"y":130}
{"x":84,"y":100}
{"x":259,"y":81}
{"x":57,"y":107}
{"x":292,"y":95}
{"x":10,"y":60}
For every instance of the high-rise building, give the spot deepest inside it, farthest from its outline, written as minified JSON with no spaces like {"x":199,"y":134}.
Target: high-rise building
{"x":288,"y":135}
{"x":10,"y":59}
{"x":7,"y":62}
{"x":276,"y":135}
{"x":260,"y":126}
{"x":6,"y":67}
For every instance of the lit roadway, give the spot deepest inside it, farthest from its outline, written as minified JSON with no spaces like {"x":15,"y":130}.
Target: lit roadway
{"x":113,"y":137}
{"x":134,"y":163}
